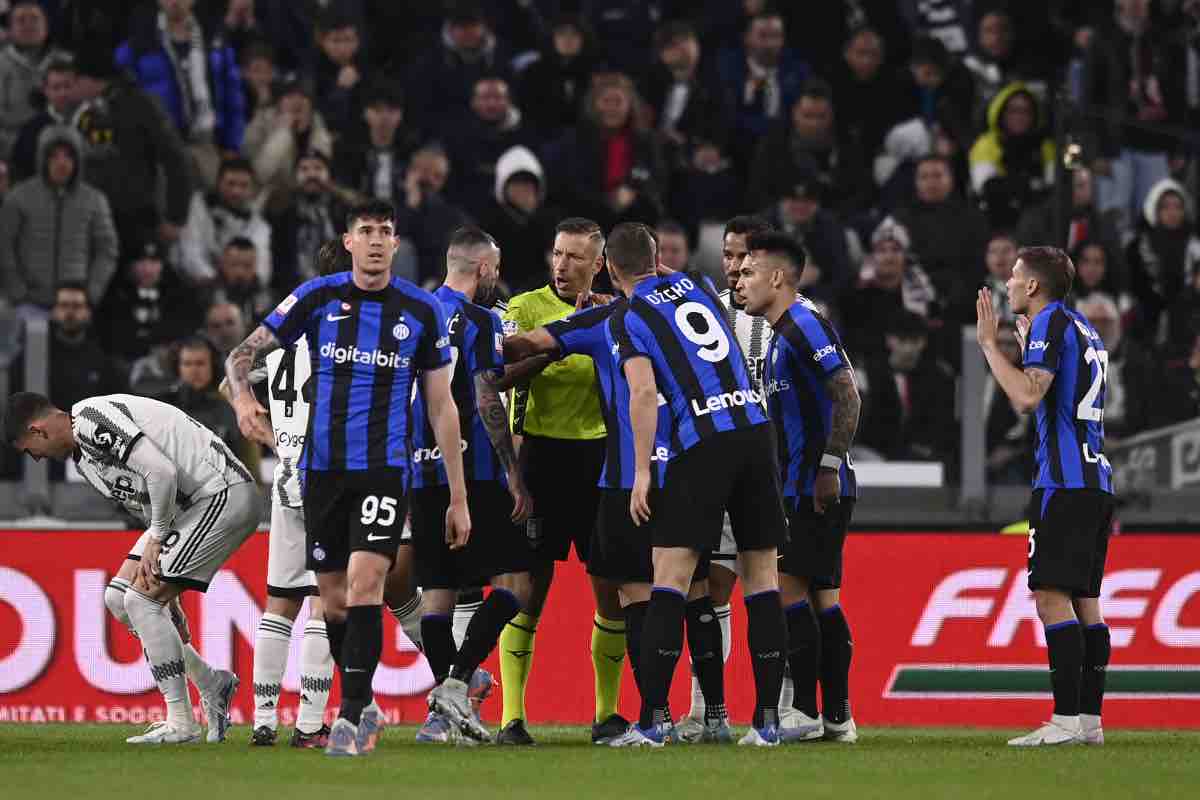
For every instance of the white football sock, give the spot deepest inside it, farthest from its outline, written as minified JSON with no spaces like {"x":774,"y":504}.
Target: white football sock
{"x":164,"y":652}
{"x":114,"y":599}
{"x":409,"y":617}
{"x":1089,"y":722}
{"x":462,"y":618}
{"x":316,"y":676}
{"x":271,"y":644}
{"x":724,"y":618}
{"x":787,"y":692}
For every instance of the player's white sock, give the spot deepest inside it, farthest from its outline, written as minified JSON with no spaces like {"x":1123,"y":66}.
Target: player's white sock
{"x":198,"y":670}
{"x":164,"y":652}
{"x":698,"y":704}
{"x":114,"y":599}
{"x":787,"y":692}
{"x":723,"y":617}
{"x":270,"y":660}
{"x":409,"y":617}
{"x":462,"y":618}
{"x":316,"y":676}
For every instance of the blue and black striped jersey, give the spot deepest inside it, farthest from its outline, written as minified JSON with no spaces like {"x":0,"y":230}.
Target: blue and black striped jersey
{"x":1070,"y":418}
{"x":803,"y":353}
{"x":367,"y":350}
{"x":587,"y":333}
{"x":681,"y":326}
{"x":475,"y":347}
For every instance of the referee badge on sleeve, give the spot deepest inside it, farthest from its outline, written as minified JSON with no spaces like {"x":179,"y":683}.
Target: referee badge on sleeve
{"x":510,"y":328}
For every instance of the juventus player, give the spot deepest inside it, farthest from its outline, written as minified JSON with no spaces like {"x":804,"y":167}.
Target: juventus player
{"x":199,"y":504}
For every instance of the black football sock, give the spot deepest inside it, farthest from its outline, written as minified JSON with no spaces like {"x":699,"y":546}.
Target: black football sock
{"x":484,"y":631}
{"x":767,"y":636}
{"x":704,"y":644}
{"x":360,"y":657}
{"x":804,"y":656}
{"x":837,"y":649}
{"x":1097,"y":648}
{"x":662,"y":642}
{"x":438,"y":640}
{"x":337,"y":640}
{"x":635,"y":621}
{"x":1064,"y":643}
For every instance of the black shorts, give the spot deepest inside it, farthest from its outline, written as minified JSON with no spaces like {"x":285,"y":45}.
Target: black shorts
{"x":1068,"y":539}
{"x":734,"y":471}
{"x":620,"y":549}
{"x":561,"y":475}
{"x":345,"y":512}
{"x":496,"y":546}
{"x":814,"y":549}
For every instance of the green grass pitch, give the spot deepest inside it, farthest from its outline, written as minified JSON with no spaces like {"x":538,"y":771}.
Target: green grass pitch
{"x":92,"y":761}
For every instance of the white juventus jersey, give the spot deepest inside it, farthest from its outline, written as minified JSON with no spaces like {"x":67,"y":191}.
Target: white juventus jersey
{"x":149,"y":457}
{"x":288,"y":369}
{"x":753,"y":334}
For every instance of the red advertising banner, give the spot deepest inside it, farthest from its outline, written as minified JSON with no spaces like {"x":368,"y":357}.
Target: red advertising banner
{"x":945,"y":634}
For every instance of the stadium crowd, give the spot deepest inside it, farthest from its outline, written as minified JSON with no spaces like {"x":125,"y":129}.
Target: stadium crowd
{"x":169,"y":171}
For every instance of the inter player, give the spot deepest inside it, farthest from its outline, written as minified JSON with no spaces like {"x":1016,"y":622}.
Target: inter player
{"x":1064,"y":381}
{"x":199,"y":503}
{"x":673,"y":337}
{"x":813,"y":401}
{"x":371,"y":338}
{"x":754,"y":336}
{"x":498,"y":552}
{"x":562,"y":449}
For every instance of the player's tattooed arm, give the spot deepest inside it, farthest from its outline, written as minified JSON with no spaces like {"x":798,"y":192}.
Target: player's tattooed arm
{"x":520,"y":373}
{"x":494,"y":416}
{"x":1037,"y":384}
{"x":247,"y":357}
{"x":847,"y":404}
{"x":526,"y":345}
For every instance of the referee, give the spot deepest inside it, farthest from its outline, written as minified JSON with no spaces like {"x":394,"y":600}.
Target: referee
{"x":371,"y":337}
{"x":562,"y":450}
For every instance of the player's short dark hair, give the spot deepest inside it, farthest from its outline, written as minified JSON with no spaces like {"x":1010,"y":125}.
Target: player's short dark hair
{"x":240,"y":243}
{"x":780,"y":244}
{"x":332,"y":258}
{"x":60,"y":64}
{"x":632,"y":248}
{"x":745,"y":225}
{"x":471,"y":236}
{"x":72,"y":286}
{"x":237,"y":164}
{"x":375,"y":210}
{"x":1052,"y":266}
{"x":23,"y":408}
{"x":935,"y":158}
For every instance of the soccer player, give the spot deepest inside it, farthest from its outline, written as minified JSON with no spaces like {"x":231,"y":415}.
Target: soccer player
{"x":813,"y":401}
{"x":498,"y":552}
{"x":562,"y":449}
{"x":371,"y":338}
{"x":199,"y":503}
{"x":1064,"y":381}
{"x":754,"y":336}
{"x":673,"y":337}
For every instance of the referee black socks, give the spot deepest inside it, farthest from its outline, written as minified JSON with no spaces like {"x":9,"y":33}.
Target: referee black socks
{"x":662,"y":642}
{"x":1097,"y":647}
{"x":484,"y":631}
{"x":837,"y":648}
{"x":704,"y":644}
{"x":1064,"y":643}
{"x":438,"y":640}
{"x":360,"y":657}
{"x":767,"y":636}
{"x":804,"y":656}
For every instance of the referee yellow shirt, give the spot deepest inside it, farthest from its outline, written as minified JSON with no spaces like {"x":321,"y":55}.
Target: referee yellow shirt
{"x":563,"y":402}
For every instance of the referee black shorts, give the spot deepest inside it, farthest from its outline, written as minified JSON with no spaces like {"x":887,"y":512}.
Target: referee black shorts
{"x":562,"y":477}
{"x":350,"y":511}
{"x":1068,"y":539}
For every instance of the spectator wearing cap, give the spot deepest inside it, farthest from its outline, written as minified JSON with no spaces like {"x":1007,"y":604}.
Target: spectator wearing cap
{"x":238,"y":281}
{"x":763,"y":77}
{"x":372,"y":158}
{"x":686,"y":98}
{"x":56,"y":227}
{"x":313,"y":215}
{"x":609,"y":168}
{"x":339,"y":69}
{"x":194,"y":74}
{"x":425,"y":218}
{"x":128,"y":140}
{"x":277,"y":136}
{"x":908,"y":396}
{"x":59,"y":89}
{"x":889,"y":281}
{"x":549,"y":89}
{"x":148,"y":309}
{"x":807,"y":139}
{"x":476,"y":140}
{"x":797,"y":210}
{"x":519,"y":219}
{"x":442,"y":79}
{"x":217,"y":218}
{"x":23,"y":63}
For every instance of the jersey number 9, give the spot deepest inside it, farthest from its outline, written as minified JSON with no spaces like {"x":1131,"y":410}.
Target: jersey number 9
{"x":714,"y":344}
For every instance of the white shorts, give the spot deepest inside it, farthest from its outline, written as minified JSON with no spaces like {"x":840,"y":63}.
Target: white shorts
{"x":206,"y":535}
{"x":286,"y":574}
{"x":726,"y":554}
